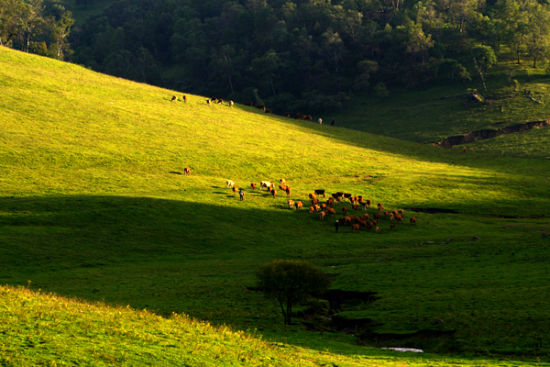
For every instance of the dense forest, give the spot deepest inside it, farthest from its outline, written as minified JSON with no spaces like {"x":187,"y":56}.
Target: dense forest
{"x":304,"y":55}
{"x":37,"y":26}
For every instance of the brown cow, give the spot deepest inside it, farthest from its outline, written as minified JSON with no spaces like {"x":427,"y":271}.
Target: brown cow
{"x":312,"y":196}
{"x":184,"y":98}
{"x":322,"y":215}
{"x":282,"y":187}
{"x":314,"y":201}
{"x":235,"y":189}
{"x":273,"y":192}
{"x":187,"y":170}
{"x":287,"y":191}
{"x":412,"y":220}
{"x":330,"y":201}
{"x":290,"y":203}
{"x":298,"y":205}
{"x":331,"y":211}
{"x":355,"y":227}
{"x":174,"y":98}
{"x":253,"y":186}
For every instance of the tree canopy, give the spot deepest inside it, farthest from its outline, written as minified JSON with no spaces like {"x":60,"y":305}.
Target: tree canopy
{"x":293,"y":55}
{"x":291,"y":282}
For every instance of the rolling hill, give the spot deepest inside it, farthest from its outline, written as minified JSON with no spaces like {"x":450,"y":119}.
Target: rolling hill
{"x":93,"y":206}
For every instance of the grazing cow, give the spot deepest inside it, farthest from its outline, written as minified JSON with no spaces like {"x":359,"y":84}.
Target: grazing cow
{"x":412,"y":220}
{"x":266,"y":184}
{"x":314,"y":201}
{"x":322,"y":215}
{"x":312,"y":196}
{"x":290,"y":203}
{"x":347,"y":195}
{"x":368,"y":202}
{"x":174,"y":99}
{"x":298,"y":205}
{"x":220,"y":101}
{"x":235,"y":189}
{"x":230,"y":184}
{"x":287,"y":191}
{"x":347,"y":220}
{"x":320,"y":192}
{"x":330,"y":201}
{"x":355,"y":227}
{"x":253,"y":186}
{"x":331,"y":211}
{"x":184,"y":98}
{"x":324,"y":206}
{"x":282,"y":187}
{"x":311,"y":209}
{"x":273,"y":192}
{"x":316,"y":207}
{"x":187,"y":170}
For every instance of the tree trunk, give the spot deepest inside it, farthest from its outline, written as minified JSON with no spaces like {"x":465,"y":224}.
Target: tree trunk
{"x":288,"y":311}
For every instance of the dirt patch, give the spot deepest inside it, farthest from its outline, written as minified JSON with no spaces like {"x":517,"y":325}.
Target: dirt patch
{"x":490,"y":133}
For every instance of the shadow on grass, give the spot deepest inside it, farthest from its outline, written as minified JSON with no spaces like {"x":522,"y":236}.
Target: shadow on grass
{"x":175,"y":256}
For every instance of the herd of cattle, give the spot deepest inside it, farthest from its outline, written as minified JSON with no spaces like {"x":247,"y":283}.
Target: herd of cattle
{"x":230,"y":103}
{"x":357,"y":214}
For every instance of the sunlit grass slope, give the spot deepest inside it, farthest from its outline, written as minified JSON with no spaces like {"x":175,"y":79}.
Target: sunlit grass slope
{"x":90,"y":208}
{"x":64,"y":332}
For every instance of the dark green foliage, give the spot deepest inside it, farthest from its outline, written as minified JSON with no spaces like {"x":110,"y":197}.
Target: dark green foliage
{"x":38,"y":26}
{"x":291,"y":282}
{"x":303,"y":56}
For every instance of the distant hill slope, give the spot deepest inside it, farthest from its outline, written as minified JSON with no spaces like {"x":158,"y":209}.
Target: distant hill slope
{"x":431,"y":114}
{"x":94,"y":205}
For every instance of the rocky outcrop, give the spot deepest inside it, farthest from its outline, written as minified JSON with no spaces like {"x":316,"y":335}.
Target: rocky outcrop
{"x":490,"y":133}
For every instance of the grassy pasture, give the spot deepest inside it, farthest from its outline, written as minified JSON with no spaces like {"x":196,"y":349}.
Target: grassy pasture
{"x":89,"y":208}
{"x":433,"y":113}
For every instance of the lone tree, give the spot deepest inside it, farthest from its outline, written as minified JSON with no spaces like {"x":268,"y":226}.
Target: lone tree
{"x":291,"y":282}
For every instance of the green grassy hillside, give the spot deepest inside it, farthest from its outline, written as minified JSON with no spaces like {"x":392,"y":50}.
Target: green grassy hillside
{"x":90,"y":207}
{"x":431,"y":114}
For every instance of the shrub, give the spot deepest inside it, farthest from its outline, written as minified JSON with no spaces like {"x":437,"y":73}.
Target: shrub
{"x":291,"y":282}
